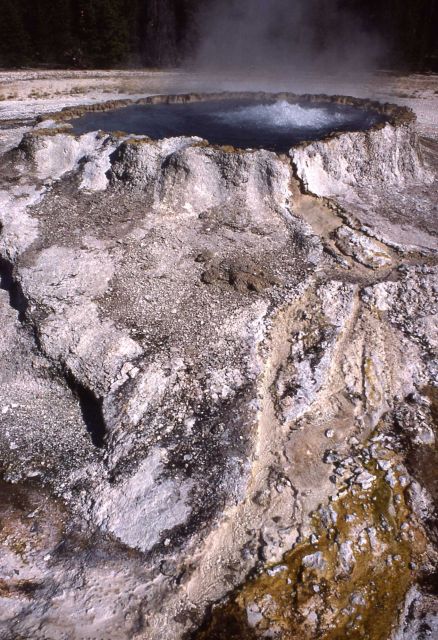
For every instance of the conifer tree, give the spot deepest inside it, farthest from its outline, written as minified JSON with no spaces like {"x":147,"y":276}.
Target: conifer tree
{"x":104,"y":33}
{"x":14,"y":39}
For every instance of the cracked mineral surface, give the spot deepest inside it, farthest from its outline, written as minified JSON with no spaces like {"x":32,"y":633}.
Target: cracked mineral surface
{"x":218,"y":404}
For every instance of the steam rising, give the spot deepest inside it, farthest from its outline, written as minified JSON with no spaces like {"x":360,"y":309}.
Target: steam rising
{"x":283,"y":36}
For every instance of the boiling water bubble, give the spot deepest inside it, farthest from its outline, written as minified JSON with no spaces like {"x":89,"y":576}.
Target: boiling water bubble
{"x":285,"y":115}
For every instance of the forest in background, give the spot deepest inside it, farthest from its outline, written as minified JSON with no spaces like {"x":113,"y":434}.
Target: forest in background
{"x":163,"y":33}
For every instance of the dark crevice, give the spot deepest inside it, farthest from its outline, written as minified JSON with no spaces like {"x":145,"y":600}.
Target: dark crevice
{"x":91,"y":406}
{"x":17,"y":299}
{"x":92,"y":411}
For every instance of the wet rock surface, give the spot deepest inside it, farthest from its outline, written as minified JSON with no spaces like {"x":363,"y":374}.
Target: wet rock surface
{"x":218,"y":364}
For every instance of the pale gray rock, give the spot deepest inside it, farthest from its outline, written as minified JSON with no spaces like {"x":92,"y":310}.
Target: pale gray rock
{"x":138,"y":510}
{"x":52,"y":155}
{"x":346,"y":557}
{"x":34,"y":403}
{"x":383,"y":156}
{"x":315,"y":561}
{"x":179,"y":338}
{"x":312,"y":348}
{"x":365,"y":250}
{"x":380,"y":181}
{"x":419,"y":619}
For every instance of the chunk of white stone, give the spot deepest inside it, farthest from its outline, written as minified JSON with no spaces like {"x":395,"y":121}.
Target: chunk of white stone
{"x":314,"y":561}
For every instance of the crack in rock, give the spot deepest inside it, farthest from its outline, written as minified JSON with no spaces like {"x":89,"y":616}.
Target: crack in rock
{"x":187,"y":316}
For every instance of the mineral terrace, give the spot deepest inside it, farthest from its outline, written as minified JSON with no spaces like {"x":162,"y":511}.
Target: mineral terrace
{"x":217,"y":401}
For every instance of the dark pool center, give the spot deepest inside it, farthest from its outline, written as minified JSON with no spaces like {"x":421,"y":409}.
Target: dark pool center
{"x":244,"y":123}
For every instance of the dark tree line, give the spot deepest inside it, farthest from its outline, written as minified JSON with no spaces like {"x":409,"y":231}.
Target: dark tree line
{"x":107,"y":33}
{"x":93,"y":33}
{"x":408,"y":27}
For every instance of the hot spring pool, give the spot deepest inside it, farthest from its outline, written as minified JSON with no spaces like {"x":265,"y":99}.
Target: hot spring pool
{"x":273,"y":125}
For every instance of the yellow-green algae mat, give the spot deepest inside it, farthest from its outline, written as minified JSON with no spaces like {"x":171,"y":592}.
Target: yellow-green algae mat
{"x":323,"y":590}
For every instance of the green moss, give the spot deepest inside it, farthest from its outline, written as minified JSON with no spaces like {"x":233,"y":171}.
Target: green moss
{"x":47,"y":133}
{"x":286,"y":598}
{"x":138,"y":142}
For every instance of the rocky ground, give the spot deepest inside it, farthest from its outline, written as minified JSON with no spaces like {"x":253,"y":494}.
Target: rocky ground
{"x":218,"y":379}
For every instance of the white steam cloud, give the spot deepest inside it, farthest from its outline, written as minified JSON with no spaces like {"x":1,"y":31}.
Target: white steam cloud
{"x":283,"y":36}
